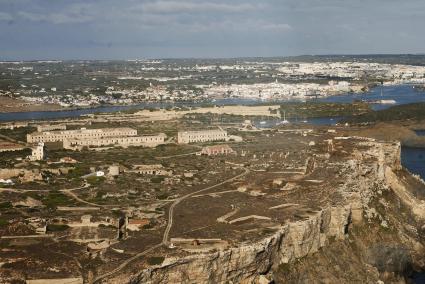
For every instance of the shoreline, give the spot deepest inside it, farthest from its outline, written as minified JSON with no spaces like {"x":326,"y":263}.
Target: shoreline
{"x":201,"y":104}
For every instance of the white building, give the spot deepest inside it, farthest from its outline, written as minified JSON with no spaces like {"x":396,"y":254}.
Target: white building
{"x":60,"y":136}
{"x":37,"y":152}
{"x":186,"y":137}
{"x":148,"y":141}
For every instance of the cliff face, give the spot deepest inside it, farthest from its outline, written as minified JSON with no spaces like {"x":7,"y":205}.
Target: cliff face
{"x":298,"y":241}
{"x":244,"y":264}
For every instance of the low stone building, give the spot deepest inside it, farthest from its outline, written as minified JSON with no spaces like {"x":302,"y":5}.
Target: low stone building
{"x":23,"y":175}
{"x":74,"y":280}
{"x":187,"y":137}
{"x":6,"y":146}
{"x":84,"y":134}
{"x":68,"y":160}
{"x":50,"y":127}
{"x":147,"y":141}
{"x":114,"y":170}
{"x":155,"y":170}
{"x":217,"y":150}
{"x":137,"y":224}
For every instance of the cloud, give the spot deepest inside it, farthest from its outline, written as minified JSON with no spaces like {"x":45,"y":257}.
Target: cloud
{"x":275,"y":27}
{"x":171,"y":7}
{"x":5,"y":17}
{"x":209,"y":27}
{"x":78,"y":13}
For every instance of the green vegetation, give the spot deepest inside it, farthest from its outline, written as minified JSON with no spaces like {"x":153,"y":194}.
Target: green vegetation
{"x":19,"y":133}
{"x":320,"y":109}
{"x":56,"y":227}
{"x":155,"y":260}
{"x":414,"y":111}
{"x":3,"y":222}
{"x":163,"y":196}
{"x":157,"y":179}
{"x":148,"y":226}
{"x":5,"y":205}
{"x":54,"y":199}
{"x":95,"y":181}
{"x":8,"y":158}
{"x":78,"y":171}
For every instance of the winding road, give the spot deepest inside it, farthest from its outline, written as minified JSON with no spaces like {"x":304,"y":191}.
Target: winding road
{"x":175,"y":203}
{"x":70,"y":193}
{"x":166,"y":235}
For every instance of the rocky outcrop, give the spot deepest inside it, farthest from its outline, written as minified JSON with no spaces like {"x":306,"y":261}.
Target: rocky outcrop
{"x":247,"y":262}
{"x":417,"y":206}
{"x":389,"y":164}
{"x":23,"y":174}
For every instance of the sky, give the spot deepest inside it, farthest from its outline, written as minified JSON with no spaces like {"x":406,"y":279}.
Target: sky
{"x":137,"y":29}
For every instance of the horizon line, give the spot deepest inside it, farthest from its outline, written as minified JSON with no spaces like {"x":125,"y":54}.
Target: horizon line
{"x":220,"y":58}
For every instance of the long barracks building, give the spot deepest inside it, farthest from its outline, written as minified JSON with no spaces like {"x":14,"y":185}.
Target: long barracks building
{"x":147,"y":141}
{"x":186,"y":137}
{"x":83,"y":134}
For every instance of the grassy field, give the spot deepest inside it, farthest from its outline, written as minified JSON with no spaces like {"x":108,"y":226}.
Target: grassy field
{"x":414,"y":111}
{"x":320,"y":109}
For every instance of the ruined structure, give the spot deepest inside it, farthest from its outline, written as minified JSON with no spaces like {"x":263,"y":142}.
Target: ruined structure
{"x":156,"y":170}
{"x":217,"y":150}
{"x":6,"y":146}
{"x":50,"y":127}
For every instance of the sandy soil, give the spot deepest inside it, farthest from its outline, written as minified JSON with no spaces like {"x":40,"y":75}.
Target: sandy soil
{"x":14,"y":105}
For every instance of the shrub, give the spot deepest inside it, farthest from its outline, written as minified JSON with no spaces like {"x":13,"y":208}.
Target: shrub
{"x":6,"y":205}
{"x":155,"y":260}
{"x":57,"y":227}
{"x":3,"y":222}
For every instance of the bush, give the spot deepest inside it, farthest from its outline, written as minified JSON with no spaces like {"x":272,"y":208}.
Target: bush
{"x":6,"y":205}
{"x":78,"y":171}
{"x":54,"y":199}
{"x":157,"y":179}
{"x":148,"y":226}
{"x":3,"y":222}
{"x":155,"y":260}
{"x":56,"y":227}
{"x":94,"y":180}
{"x":163,"y":196}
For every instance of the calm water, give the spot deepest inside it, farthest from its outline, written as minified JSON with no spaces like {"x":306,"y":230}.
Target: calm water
{"x":418,"y":278}
{"x":420,"y":132}
{"x":414,"y":160}
{"x":107,"y":109}
{"x":402,"y":94}
{"x":315,"y":121}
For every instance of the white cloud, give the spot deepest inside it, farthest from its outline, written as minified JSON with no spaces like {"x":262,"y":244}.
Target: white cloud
{"x":187,"y":7}
{"x":274,"y":27}
{"x":5,"y":17}
{"x":78,"y":13}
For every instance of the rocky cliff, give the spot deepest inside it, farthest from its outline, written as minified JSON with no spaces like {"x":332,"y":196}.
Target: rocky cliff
{"x":245,"y":264}
{"x":372,"y":181}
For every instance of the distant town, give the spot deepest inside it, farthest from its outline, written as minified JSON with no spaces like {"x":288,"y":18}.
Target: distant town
{"x":87,"y":84}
